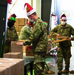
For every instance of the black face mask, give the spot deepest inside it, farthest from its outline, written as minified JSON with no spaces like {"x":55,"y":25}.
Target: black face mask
{"x":10,"y":24}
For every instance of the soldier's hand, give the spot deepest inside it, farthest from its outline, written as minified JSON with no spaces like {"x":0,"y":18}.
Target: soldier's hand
{"x":19,"y":43}
{"x":58,"y":35}
{"x":26,"y":43}
{"x":69,"y":38}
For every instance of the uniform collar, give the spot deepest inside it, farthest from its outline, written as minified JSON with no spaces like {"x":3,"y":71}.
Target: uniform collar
{"x":64,"y":26}
{"x":9,"y":27}
{"x":36,"y":20}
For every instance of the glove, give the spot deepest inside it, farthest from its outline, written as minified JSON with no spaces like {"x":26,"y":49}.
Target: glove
{"x":27,"y":43}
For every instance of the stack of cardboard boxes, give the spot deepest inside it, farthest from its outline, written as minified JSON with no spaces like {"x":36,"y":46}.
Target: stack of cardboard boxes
{"x":20,"y":22}
{"x":25,"y":50}
{"x":29,"y":53}
{"x":11,"y":66}
{"x":16,"y":51}
{"x":13,"y":55}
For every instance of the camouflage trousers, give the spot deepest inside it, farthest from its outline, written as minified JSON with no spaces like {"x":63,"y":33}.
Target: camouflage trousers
{"x":7,"y":47}
{"x":63,"y":53}
{"x":39,"y":63}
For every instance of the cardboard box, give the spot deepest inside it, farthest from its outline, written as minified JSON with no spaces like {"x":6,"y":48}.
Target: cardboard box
{"x":17,"y":65}
{"x":29,"y":53}
{"x":3,"y":71}
{"x":20,"y":27}
{"x":15,"y":47}
{"x":10,"y":66}
{"x":13,"y":55}
{"x":17,"y":21}
{"x":21,"y":21}
{"x":21,"y":67}
{"x":16,"y":27}
{"x":10,"y":60}
{"x":26,"y":21}
{"x":24,"y":47}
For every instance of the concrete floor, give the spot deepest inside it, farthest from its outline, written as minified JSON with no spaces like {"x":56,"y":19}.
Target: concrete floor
{"x":54,"y":65}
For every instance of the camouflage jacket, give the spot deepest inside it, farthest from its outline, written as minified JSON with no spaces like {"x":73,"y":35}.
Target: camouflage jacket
{"x":67,"y":31}
{"x":39,"y":37}
{"x":25,"y":33}
{"x":11,"y":34}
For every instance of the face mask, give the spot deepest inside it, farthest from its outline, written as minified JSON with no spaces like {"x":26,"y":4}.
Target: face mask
{"x":31,"y":28}
{"x":63,"y":23}
{"x":31,"y":20}
{"x":10,"y":24}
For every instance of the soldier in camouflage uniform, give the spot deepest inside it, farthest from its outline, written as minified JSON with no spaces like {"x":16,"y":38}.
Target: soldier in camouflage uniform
{"x":11,"y":33}
{"x":39,"y":41}
{"x":64,"y":48}
{"x":26,"y":31}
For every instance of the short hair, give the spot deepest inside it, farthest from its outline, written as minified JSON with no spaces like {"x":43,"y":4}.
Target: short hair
{"x":34,"y":13}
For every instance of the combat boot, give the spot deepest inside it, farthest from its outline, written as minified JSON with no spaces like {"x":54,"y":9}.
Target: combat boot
{"x":60,"y":71}
{"x":72,"y":72}
{"x":65,"y":71}
{"x":49,"y":72}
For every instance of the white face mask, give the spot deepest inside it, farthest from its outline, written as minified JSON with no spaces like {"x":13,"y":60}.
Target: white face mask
{"x":31,"y":20}
{"x":31,"y":28}
{"x":63,"y":23}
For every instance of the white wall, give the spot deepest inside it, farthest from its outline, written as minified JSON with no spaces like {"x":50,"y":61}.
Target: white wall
{"x":34,"y":4}
{"x":67,"y":5}
{"x":52,"y":6}
{"x":18,"y":8}
{"x":38,"y":7}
